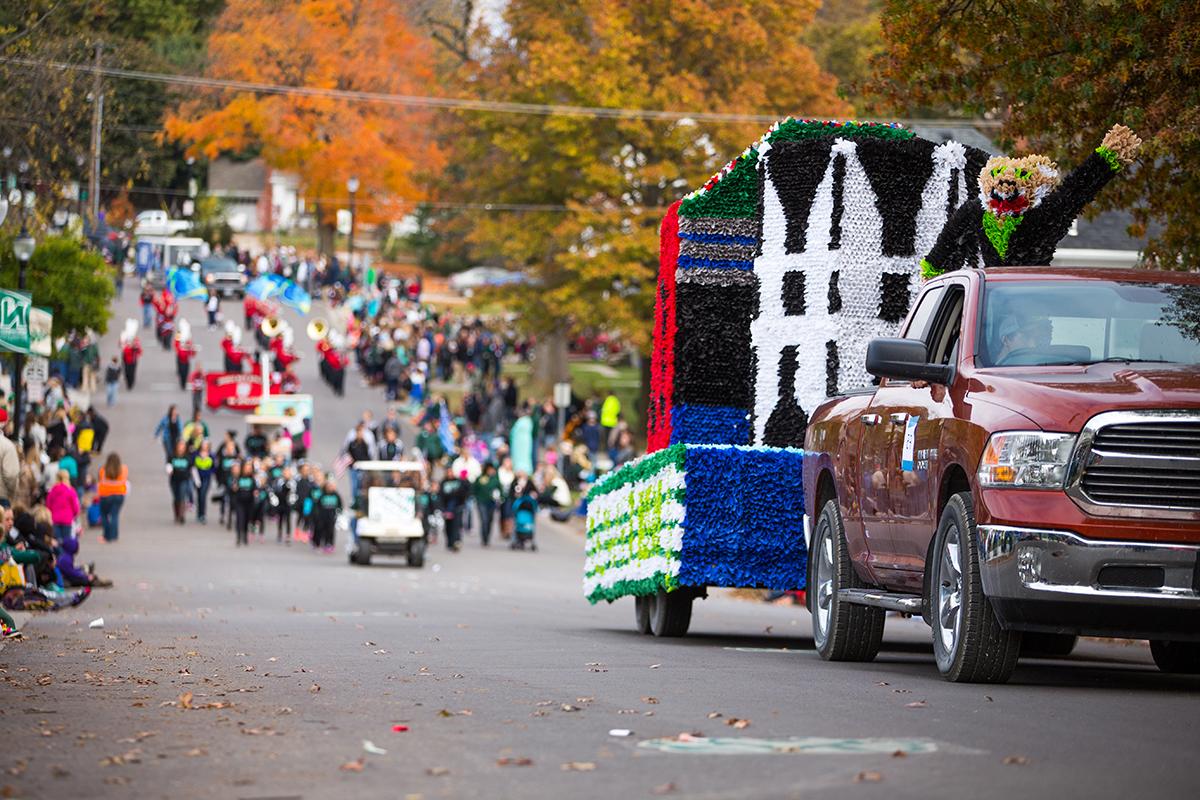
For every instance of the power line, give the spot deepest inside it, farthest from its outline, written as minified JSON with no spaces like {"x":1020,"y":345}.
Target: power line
{"x":461,"y":104}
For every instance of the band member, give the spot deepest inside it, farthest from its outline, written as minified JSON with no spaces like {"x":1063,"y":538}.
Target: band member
{"x":131,"y":351}
{"x":196,"y":382}
{"x":185,"y":350}
{"x":235,"y":357}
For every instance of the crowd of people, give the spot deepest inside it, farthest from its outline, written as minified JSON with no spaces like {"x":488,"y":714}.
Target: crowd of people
{"x":51,"y":489}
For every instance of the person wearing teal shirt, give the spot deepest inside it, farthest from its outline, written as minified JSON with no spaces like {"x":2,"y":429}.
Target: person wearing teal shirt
{"x":520,"y":445}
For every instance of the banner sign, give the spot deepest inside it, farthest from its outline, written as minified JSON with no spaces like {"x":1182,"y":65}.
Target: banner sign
{"x":41,"y":321}
{"x":238,"y":391}
{"x":14,"y":321}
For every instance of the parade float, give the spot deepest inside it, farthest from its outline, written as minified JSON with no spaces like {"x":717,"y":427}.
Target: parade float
{"x":773,"y":277}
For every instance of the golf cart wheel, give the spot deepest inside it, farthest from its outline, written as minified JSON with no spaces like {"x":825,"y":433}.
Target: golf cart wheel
{"x":1181,"y":658}
{"x":841,"y":631}
{"x":360,"y":555}
{"x":968,"y":643}
{"x":416,"y":552}
{"x":671,"y":613}
{"x":643,"y":608}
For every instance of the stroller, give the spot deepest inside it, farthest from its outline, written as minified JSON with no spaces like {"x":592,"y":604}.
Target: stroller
{"x":524,"y":511}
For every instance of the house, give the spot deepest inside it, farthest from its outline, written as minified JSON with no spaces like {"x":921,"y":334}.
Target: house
{"x":257,"y":198}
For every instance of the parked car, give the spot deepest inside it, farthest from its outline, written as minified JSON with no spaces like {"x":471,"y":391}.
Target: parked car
{"x":1027,"y":468}
{"x":222,"y":274}
{"x":478,"y":277}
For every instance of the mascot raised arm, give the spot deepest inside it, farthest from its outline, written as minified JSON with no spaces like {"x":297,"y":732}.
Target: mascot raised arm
{"x":1024,"y":209}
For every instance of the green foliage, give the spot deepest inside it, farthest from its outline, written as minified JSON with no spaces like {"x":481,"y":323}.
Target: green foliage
{"x":443,"y":255}
{"x":208,"y":221}
{"x":844,"y":38}
{"x":54,"y":124}
{"x":1059,"y":73}
{"x":72,"y":282}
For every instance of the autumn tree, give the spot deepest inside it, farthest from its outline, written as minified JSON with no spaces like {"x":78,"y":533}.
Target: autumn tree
{"x":47,"y":122}
{"x":359,"y":45}
{"x":577,"y":199}
{"x":1059,"y":73}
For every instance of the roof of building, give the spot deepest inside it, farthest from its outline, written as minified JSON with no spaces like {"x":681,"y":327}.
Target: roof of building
{"x":230,"y":178}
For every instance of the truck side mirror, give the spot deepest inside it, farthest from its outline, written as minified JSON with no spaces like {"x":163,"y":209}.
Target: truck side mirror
{"x":906,"y":360}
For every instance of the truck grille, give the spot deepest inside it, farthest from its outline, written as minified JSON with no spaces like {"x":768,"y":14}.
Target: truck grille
{"x":1151,"y":464}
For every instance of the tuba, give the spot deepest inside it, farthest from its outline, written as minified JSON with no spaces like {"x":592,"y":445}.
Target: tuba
{"x":318,"y":329}
{"x":271,"y":327}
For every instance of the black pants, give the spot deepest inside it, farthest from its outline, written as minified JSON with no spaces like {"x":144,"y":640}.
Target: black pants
{"x":202,"y":497}
{"x":453,"y":527}
{"x":130,"y":374}
{"x":243,"y":511}
{"x":181,"y":367}
{"x":323,"y":534}
{"x":487,"y":512}
{"x":283,"y":521}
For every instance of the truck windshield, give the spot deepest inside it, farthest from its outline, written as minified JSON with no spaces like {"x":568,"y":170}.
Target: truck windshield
{"x":1045,"y":323}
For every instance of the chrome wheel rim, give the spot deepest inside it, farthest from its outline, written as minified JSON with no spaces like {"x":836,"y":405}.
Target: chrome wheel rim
{"x":824,"y":584}
{"x":949,"y":614}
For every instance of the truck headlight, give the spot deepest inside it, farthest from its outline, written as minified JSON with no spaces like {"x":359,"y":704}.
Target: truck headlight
{"x":208,"y":278}
{"x":1026,"y":459}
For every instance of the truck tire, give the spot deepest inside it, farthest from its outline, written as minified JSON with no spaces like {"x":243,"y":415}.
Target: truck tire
{"x":671,"y":613}
{"x":643,"y":608}
{"x":841,"y":631}
{"x":968,"y":643}
{"x":1180,"y":658}
{"x":416,"y":552}
{"x":1047,"y":645}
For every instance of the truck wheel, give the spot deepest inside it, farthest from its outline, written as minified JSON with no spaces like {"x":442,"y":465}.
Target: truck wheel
{"x":841,"y":631}
{"x":1181,"y":658}
{"x":1047,"y":645}
{"x":643,"y":608}
{"x":968,"y":643}
{"x":671,"y":613}
{"x":416,"y":552}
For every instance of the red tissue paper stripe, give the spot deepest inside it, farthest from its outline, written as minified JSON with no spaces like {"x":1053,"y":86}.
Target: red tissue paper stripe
{"x":662,"y":359}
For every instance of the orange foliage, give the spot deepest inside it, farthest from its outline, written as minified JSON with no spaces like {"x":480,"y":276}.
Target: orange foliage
{"x":357,"y":45}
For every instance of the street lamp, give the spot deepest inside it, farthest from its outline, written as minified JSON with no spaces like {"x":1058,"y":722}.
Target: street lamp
{"x":352,"y":187}
{"x":23,"y":247}
{"x":80,"y":160}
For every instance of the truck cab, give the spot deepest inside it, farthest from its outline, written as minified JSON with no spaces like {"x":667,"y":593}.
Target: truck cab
{"x":1027,"y":466}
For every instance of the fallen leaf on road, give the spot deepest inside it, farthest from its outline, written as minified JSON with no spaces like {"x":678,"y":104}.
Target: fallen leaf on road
{"x":740,"y":724}
{"x":185,"y":700}
{"x":354,"y":766}
{"x":373,"y":749}
{"x":568,"y":707}
{"x":437,"y":772}
{"x":284,"y":710}
{"x":196,"y":752}
{"x":578,"y":766}
{"x":652,"y":701}
{"x":137,"y":737}
{"x":916,"y":704}
{"x":584,"y":700}
{"x":316,"y":687}
{"x":1016,"y":761}
{"x":768,"y":629}
{"x":59,"y":772}
{"x":690,"y":736}
{"x":714,"y":714}
{"x":45,"y":680}
{"x":116,"y":780}
{"x":514,"y":761}
{"x":18,"y":769}
{"x":620,"y":732}
{"x":664,"y":788}
{"x":883,"y":683}
{"x":899,"y":754}
{"x":368,"y":644}
{"x":264,"y":731}
{"x":248,"y":668}
{"x":988,"y":698}
{"x":902,"y":691}
{"x":627,"y":711}
{"x":655,"y":666}
{"x":868,"y":777}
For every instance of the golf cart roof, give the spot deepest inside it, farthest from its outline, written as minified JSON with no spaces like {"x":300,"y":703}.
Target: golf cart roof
{"x":269,"y":419}
{"x":390,"y":466}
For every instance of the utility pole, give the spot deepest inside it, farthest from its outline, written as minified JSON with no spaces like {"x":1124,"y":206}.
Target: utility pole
{"x":97,"y":122}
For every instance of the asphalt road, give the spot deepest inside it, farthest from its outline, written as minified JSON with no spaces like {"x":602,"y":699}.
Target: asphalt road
{"x":290,"y":660}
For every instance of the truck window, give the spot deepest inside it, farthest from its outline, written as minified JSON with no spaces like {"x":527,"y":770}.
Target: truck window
{"x":947,"y":328}
{"x":918,"y":324}
{"x":1046,"y":323}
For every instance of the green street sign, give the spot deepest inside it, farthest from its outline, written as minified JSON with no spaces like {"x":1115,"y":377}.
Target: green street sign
{"x":14,"y":321}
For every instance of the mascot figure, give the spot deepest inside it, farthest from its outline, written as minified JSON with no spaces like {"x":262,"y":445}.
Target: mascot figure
{"x":1023,"y":209}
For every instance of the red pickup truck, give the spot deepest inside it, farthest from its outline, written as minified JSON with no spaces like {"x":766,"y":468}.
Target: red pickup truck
{"x":1027,"y":467}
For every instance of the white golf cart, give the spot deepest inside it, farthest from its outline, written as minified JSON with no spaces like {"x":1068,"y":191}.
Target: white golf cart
{"x":386,"y":507}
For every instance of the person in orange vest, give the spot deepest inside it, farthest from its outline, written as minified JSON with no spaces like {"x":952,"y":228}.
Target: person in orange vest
{"x":111,"y":487}
{"x":131,"y":351}
{"x":185,"y":349}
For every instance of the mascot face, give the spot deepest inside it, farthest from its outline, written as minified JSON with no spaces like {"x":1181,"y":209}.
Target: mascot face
{"x":1012,"y":186}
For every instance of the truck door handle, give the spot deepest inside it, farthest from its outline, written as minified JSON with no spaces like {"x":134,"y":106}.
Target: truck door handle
{"x":899,"y":418}
{"x":871,"y":419}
